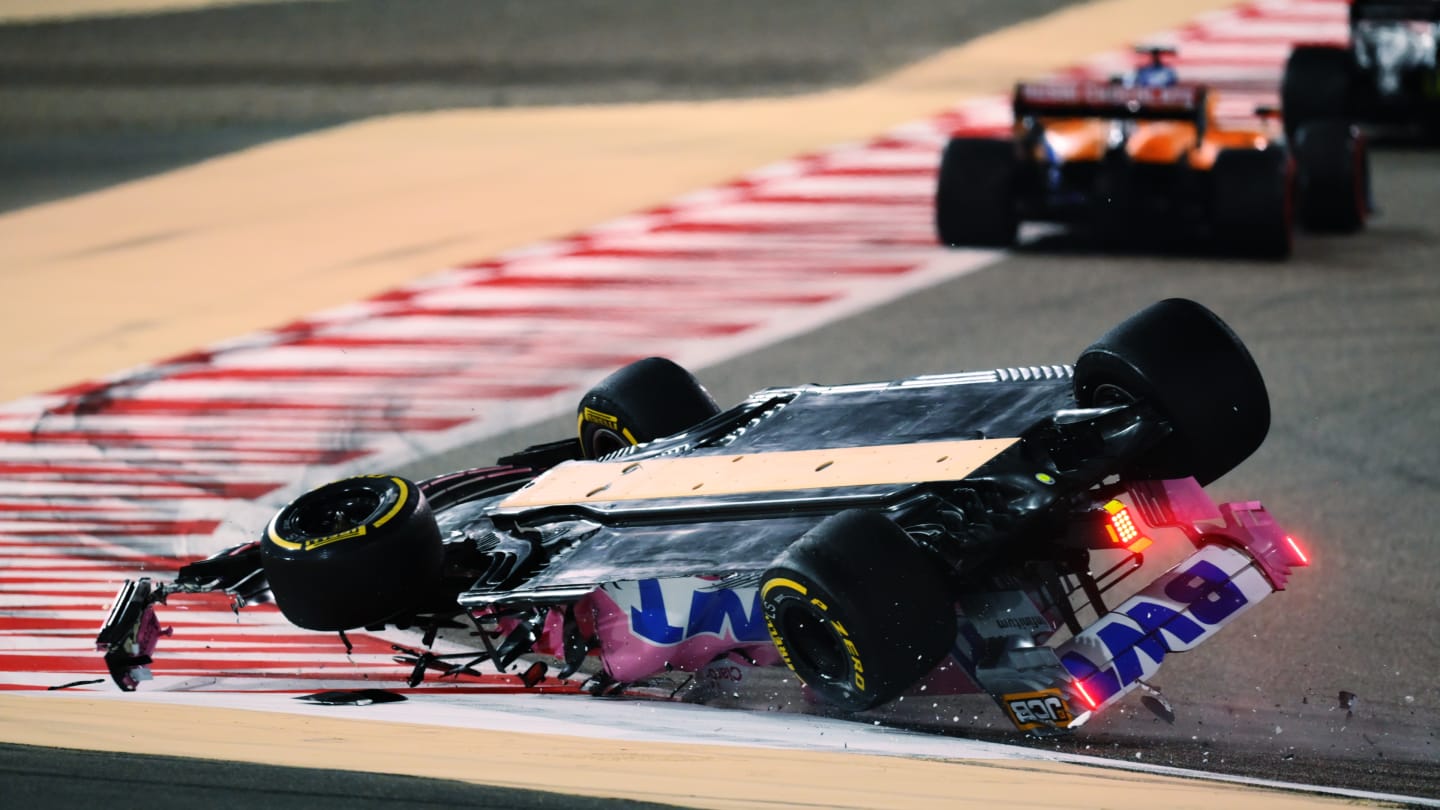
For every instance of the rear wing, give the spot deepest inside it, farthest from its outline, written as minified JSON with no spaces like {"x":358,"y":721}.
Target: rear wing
{"x":1395,"y":10}
{"x":1115,"y":101}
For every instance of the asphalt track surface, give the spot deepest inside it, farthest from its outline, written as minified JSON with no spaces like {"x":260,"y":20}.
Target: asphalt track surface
{"x":89,"y":102}
{"x":1346,"y":332}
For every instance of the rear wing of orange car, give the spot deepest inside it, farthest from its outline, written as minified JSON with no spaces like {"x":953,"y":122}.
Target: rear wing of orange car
{"x":1395,"y":11}
{"x":1113,"y":101}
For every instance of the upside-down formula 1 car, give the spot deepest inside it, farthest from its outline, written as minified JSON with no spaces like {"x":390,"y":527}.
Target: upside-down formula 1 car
{"x":1147,"y":154}
{"x":955,"y":533}
{"x":1388,"y":74}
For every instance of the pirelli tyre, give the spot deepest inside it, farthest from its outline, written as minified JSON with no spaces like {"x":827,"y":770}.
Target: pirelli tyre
{"x":353,"y":553}
{"x":975,"y":193}
{"x":1332,"y":176}
{"x":1318,"y":85}
{"x":1252,"y":205}
{"x":858,"y":610}
{"x":645,"y":400}
{"x":1187,"y":364}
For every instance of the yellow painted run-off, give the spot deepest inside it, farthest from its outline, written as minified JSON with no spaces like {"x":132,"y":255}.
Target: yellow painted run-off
{"x":46,"y":10}
{"x":706,"y":776}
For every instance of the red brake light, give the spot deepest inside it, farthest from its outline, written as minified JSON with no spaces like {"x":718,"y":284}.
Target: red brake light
{"x":1122,"y":529}
{"x":1084,"y":695}
{"x":1301,"y":556}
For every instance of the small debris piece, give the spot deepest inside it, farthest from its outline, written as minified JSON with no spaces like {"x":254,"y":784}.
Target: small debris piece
{"x":75,"y":683}
{"x":1160,"y":707}
{"x":353,"y":697}
{"x":1347,"y":700}
{"x":534,"y":675}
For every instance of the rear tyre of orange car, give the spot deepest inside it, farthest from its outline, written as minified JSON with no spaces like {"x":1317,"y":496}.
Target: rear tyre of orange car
{"x":858,"y":610}
{"x":975,"y":194}
{"x":1182,"y":360}
{"x":353,"y":553}
{"x":1251,"y":206}
{"x":645,"y":400}
{"x":1318,"y":85}
{"x":1332,"y":176}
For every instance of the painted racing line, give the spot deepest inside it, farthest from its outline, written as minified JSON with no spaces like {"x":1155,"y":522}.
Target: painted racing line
{"x":141,"y":472}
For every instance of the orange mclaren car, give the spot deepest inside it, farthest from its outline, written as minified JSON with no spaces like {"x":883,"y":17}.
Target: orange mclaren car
{"x":1148,"y":153}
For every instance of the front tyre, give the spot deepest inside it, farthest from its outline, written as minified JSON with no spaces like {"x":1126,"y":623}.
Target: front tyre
{"x":1182,"y":360}
{"x":1332,"y":176}
{"x":857,"y":610}
{"x":1318,"y":85}
{"x":1251,"y":207}
{"x":975,"y":193}
{"x":353,"y":553}
{"x":645,"y":400}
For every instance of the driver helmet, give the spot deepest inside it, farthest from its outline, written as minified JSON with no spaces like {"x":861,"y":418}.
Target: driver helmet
{"x":1156,"y":76}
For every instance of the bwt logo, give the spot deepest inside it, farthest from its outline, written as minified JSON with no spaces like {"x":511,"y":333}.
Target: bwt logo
{"x":670,"y":611}
{"x":1037,"y":709}
{"x":1173,"y":614}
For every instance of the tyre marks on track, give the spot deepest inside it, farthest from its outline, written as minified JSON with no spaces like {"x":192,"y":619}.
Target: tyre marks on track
{"x":138,"y":473}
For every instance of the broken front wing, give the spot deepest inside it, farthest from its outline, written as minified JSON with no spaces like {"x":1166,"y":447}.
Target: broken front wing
{"x":1241,"y":556}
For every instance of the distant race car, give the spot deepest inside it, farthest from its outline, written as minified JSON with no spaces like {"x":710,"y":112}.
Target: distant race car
{"x":954,"y":533}
{"x":1389,"y":73}
{"x":1146,"y":153}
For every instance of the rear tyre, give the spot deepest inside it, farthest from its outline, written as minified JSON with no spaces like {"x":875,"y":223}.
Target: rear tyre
{"x":857,"y":610}
{"x":1183,"y":361}
{"x":1251,"y":211}
{"x":1318,"y":85}
{"x":975,"y":194}
{"x":353,"y":553}
{"x":643,"y":401}
{"x":1332,"y":176}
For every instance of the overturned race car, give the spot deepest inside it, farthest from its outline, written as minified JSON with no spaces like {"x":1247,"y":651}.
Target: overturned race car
{"x":955,"y":533}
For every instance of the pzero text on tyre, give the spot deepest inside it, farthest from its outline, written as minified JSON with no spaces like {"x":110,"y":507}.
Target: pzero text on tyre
{"x":858,"y":610}
{"x":1181,"y":359}
{"x":643,"y":401}
{"x":352,"y":553}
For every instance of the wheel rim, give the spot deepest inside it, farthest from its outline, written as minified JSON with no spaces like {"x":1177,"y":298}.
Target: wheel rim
{"x":328,"y":512}
{"x":1107,"y":394}
{"x":605,"y":441}
{"x":814,"y":647}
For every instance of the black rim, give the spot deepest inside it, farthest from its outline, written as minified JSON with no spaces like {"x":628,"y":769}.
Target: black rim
{"x":604,"y":441}
{"x":814,"y":646}
{"x":1107,"y":394}
{"x":332,"y":510}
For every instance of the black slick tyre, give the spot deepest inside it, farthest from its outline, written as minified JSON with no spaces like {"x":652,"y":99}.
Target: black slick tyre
{"x":1317,"y":85}
{"x":975,"y":194}
{"x":1182,"y":360}
{"x":1252,"y":202}
{"x":643,"y":401}
{"x":857,"y":610}
{"x":1332,"y":176}
{"x":353,"y":553}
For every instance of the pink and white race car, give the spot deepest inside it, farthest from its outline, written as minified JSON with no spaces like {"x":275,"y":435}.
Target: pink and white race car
{"x":962,"y":532}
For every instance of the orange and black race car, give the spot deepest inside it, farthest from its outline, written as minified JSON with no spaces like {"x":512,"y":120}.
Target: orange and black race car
{"x":1143,"y":154}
